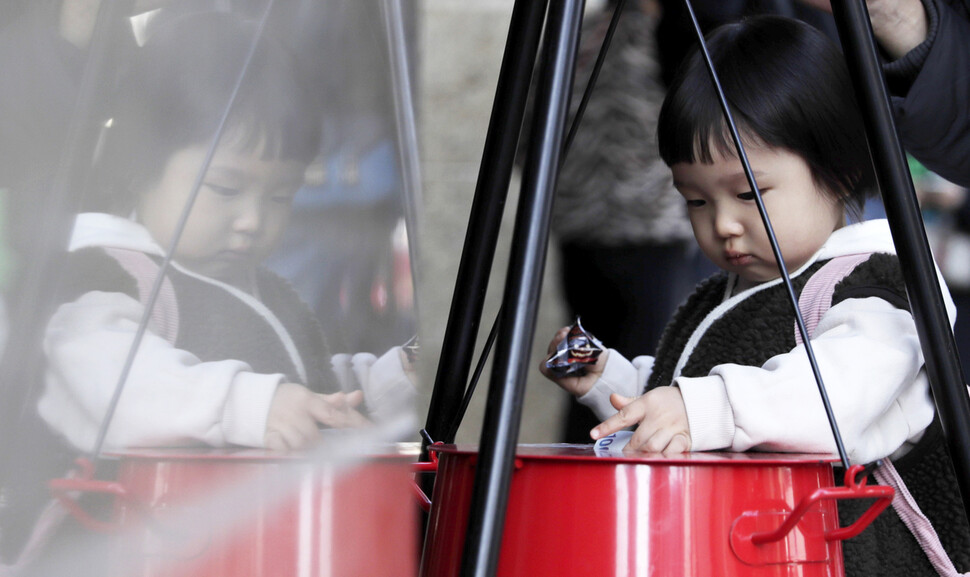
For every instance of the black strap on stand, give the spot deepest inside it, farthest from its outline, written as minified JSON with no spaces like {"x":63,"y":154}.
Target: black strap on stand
{"x":456,"y":418}
{"x":485,"y":220}
{"x":769,"y":230}
{"x":523,"y":283}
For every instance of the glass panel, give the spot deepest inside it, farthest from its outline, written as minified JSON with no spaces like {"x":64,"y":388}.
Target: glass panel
{"x":208,"y":212}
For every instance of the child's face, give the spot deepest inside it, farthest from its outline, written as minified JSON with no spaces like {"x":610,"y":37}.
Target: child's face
{"x":238,"y":216}
{"x":725,"y":218}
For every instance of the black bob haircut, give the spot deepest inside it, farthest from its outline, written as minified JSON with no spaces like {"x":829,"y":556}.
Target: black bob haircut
{"x":787,"y":86}
{"x":173,"y":91}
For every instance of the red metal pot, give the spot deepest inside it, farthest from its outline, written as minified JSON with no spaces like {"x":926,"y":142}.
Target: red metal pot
{"x":217,"y":513}
{"x":572,"y":512}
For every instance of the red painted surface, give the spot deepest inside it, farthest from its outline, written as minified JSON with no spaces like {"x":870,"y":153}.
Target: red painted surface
{"x":253,"y":514}
{"x":574,"y":513}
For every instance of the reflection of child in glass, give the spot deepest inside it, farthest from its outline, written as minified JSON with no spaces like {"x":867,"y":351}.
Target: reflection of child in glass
{"x":729,"y":373}
{"x":232,"y":356}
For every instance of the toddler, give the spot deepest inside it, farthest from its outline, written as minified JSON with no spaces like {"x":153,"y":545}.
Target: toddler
{"x":231,"y":357}
{"x":729,"y":372}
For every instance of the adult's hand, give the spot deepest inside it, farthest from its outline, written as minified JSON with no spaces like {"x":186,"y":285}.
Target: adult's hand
{"x":898,"y":25}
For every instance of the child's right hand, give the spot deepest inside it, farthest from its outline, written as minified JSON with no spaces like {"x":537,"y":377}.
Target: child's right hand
{"x":578,"y":385}
{"x":296,"y":413}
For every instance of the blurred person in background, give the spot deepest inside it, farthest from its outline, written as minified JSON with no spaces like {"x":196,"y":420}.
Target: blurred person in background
{"x":946,"y":216}
{"x":675,"y":33}
{"x":345,"y":249}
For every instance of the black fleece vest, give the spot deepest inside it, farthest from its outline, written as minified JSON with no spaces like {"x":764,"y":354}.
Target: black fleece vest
{"x":215,"y":325}
{"x":761,"y":327}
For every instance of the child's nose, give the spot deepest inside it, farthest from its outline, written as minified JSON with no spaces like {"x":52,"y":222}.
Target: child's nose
{"x":249,"y":216}
{"x":727,"y":224}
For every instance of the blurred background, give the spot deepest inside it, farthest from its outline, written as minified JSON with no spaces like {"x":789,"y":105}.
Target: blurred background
{"x":460,"y":46}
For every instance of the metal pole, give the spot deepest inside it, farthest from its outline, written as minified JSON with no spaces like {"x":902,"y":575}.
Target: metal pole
{"x":406,"y":126}
{"x":485,"y":220}
{"x":523,"y":283}
{"x":902,"y":209}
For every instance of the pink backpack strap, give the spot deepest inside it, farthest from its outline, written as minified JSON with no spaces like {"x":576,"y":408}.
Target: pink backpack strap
{"x":816,"y":297}
{"x":815,"y":300}
{"x":165,"y":314}
{"x":914,"y":519}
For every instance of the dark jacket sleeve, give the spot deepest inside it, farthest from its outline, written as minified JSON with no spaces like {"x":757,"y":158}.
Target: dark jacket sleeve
{"x":931,"y":92}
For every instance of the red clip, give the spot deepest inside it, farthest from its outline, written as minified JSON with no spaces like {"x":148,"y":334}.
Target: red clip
{"x":83,"y":481}
{"x":430,"y":466}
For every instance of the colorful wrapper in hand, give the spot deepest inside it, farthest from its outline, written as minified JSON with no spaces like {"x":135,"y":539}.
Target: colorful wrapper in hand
{"x":575,"y":352}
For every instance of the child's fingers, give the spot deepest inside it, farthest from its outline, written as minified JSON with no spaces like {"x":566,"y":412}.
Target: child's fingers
{"x":646,"y":439}
{"x":660,"y":417}
{"x":274,"y":441}
{"x":305,"y":432}
{"x":680,"y":443}
{"x":292,"y":439}
{"x":556,"y":339}
{"x":337,"y":410}
{"x":296,"y":433}
{"x":631,"y":412}
{"x":553,"y":345}
{"x":547,"y":373}
{"x":342,"y":401}
{"x":288,"y":425}
{"x":664,"y":427}
{"x":354,"y":398}
{"x":650,"y":439}
{"x":619,"y":401}
{"x":661,"y":426}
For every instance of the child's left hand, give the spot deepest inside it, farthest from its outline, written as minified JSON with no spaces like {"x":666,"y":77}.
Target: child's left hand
{"x":661,"y":419}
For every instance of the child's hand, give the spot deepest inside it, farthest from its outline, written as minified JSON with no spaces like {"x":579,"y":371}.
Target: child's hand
{"x":296,"y":414}
{"x":661,"y":419}
{"x":578,"y":385}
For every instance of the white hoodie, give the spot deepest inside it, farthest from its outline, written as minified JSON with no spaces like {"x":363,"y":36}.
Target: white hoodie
{"x":171,"y":397}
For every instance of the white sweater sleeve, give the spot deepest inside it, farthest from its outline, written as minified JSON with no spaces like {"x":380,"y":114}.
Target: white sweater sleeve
{"x":170,"y":397}
{"x":619,"y":376}
{"x":870,"y":360}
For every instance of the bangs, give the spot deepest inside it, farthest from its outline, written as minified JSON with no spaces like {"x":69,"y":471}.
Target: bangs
{"x":271,"y":131}
{"x":175,"y":89}
{"x":699,"y":133}
{"x":787,"y":87}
